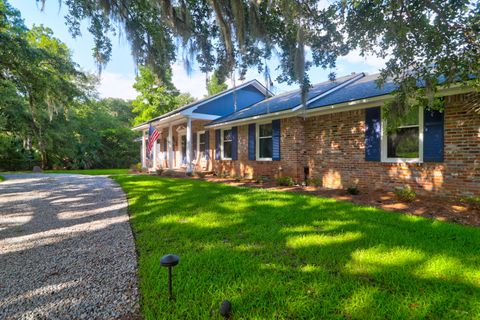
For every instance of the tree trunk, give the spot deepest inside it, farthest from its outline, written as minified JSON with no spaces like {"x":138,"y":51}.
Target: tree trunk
{"x":37,"y":131}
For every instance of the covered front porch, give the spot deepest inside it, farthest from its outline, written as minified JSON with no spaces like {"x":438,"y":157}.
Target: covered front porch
{"x":183,"y":142}
{"x":183,"y":145}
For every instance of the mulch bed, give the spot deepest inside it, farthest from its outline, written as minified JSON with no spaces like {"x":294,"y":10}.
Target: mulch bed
{"x":439,"y":208}
{"x":425,"y":206}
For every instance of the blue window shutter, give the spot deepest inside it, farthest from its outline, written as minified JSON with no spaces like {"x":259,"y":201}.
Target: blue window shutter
{"x":373,"y":127}
{"x":218,"y":132}
{"x":251,"y":141}
{"x":276,"y":139}
{"x":433,"y":138}
{"x":234,"y":143}
{"x":207,"y":145}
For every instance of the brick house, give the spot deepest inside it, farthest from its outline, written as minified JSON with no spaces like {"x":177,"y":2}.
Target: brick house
{"x":338,"y":140}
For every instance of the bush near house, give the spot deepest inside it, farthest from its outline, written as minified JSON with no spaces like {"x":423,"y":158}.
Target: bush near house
{"x":406,"y":193}
{"x":285,"y":181}
{"x":279,"y":255}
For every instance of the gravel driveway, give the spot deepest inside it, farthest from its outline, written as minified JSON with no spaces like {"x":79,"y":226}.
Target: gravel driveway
{"x":66,"y":249}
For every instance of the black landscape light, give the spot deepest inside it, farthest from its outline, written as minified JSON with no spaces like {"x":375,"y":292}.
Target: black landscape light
{"x":170,"y":261}
{"x":226,"y":309}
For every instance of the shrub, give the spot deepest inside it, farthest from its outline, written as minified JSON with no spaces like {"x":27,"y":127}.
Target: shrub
{"x":473,"y":201}
{"x":168,"y":173}
{"x":285,"y":181}
{"x":261,"y":179}
{"x":200,"y":174}
{"x":314,"y":182}
{"x":353,"y":191}
{"x":405,"y":194}
{"x":159,"y":171}
{"x":139,"y":166}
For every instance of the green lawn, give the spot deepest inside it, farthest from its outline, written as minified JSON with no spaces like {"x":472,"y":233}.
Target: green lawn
{"x":93,"y":172}
{"x":287,"y":256}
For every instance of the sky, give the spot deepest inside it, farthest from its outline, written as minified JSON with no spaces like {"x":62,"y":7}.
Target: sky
{"x":118,"y":76}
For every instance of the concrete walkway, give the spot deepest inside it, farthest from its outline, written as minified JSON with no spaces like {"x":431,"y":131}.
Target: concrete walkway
{"x":66,"y":249}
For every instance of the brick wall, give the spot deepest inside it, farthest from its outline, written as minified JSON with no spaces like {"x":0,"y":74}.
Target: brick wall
{"x":335,"y":149}
{"x":291,"y":150}
{"x":462,"y":147}
{"x":332,"y":146}
{"x":336,"y":158}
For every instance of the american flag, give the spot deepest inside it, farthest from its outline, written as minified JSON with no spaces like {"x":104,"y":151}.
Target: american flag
{"x":153,"y":135}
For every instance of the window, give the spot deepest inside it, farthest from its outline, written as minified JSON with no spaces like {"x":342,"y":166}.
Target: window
{"x":403,"y":141}
{"x":264,"y":142}
{"x":201,"y":144}
{"x":227,"y":139}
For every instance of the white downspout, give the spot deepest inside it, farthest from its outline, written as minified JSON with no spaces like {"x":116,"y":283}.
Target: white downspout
{"x":170,"y":146}
{"x":144,"y":165}
{"x":155,"y":155}
{"x":189,"y":145}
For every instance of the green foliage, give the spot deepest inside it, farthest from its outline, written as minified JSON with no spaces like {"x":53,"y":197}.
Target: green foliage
{"x":48,"y":112}
{"x":424,"y":40}
{"x":156,"y":97}
{"x":315,"y":182}
{"x":262,"y":179}
{"x":353,"y":191}
{"x":278,"y":255}
{"x":406,"y":193}
{"x":2,"y":178}
{"x":214,"y":86}
{"x":200,"y":174}
{"x":474,"y":201}
{"x":285,"y":181}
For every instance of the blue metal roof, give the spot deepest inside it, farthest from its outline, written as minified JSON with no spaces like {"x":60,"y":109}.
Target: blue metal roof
{"x":362,"y":88}
{"x":222,"y":103}
{"x":284,"y":101}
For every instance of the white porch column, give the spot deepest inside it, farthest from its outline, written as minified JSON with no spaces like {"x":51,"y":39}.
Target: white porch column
{"x":155,"y":155}
{"x":144,"y":165}
{"x":170,"y":147}
{"x":189,"y":145}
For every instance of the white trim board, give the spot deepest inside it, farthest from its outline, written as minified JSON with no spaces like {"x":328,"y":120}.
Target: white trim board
{"x":384,"y":141}
{"x":257,"y":141}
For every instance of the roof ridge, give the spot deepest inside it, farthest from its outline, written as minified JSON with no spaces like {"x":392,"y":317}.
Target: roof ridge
{"x":346,"y":83}
{"x":349,"y":77}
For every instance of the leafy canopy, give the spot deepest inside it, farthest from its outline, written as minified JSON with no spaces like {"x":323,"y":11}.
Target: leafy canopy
{"x":214,"y":85}
{"x":48,"y":114}
{"x":427,"y":40}
{"x":155,"y":96}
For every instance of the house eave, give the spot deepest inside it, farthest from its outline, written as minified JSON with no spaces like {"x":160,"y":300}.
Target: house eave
{"x":339,"y":107}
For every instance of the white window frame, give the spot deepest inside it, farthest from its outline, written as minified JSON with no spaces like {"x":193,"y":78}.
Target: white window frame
{"x":221,"y":143}
{"x":257,"y":141}
{"x":198,"y":145}
{"x":384,"y":141}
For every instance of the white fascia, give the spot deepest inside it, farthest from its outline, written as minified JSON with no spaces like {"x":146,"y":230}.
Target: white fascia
{"x":198,"y":116}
